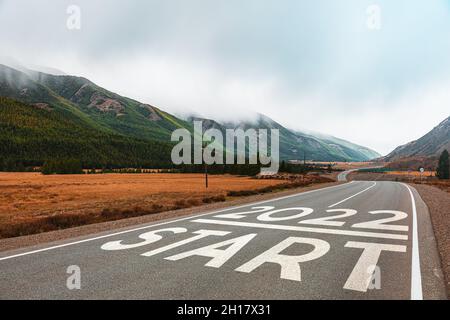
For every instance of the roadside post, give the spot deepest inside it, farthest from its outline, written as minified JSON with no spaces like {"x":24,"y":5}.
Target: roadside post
{"x":206,"y":175}
{"x":205,"y":164}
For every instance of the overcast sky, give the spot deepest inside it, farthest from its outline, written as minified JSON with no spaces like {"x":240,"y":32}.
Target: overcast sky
{"x":326,"y":66}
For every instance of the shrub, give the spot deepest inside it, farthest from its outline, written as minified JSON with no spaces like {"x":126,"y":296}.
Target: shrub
{"x":219,"y":198}
{"x":157,"y":207}
{"x":64,"y":221}
{"x":180,"y":204}
{"x":242,"y":193}
{"x":268,"y":189}
{"x":193,"y":202}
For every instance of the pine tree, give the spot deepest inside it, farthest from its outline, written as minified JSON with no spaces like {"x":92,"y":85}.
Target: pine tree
{"x":329,"y":168}
{"x":443,"y":169}
{"x":282,"y":166}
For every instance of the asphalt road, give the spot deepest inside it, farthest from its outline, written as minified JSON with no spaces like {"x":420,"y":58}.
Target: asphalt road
{"x":360,"y":240}
{"x":342,"y":177}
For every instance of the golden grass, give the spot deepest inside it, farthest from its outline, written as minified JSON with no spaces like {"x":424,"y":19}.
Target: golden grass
{"x":32,"y":194}
{"x":31,"y":202}
{"x":412,"y":173}
{"x":350,"y":165}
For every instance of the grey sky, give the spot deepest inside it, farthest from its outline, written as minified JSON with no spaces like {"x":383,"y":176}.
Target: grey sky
{"x":308,"y":64}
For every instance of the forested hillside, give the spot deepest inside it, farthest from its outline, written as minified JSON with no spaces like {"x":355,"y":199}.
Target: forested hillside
{"x":32,"y":134}
{"x":46,"y":117}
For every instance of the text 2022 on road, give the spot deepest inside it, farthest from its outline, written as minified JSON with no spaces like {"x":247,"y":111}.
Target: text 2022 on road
{"x":225,"y":246}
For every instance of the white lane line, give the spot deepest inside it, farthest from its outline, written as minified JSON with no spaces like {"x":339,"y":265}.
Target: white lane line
{"x":304,"y":229}
{"x":416,"y":275}
{"x":166,"y":222}
{"x":356,"y":194}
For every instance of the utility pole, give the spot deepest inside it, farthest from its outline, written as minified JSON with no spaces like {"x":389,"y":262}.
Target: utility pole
{"x":206,"y":175}
{"x":205,"y":164}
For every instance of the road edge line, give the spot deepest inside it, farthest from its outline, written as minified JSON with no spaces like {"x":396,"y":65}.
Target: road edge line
{"x":416,"y":275}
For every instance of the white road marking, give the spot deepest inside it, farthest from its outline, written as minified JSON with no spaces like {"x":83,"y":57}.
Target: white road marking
{"x":240,"y":215}
{"x":304,"y":229}
{"x":325,"y":221}
{"x":290,"y":265}
{"x":164,"y":223}
{"x":148,"y":238}
{"x":356,"y":194}
{"x":380,"y":224}
{"x":359,"y":279}
{"x":416,"y":275}
{"x":200,"y":234}
{"x":219,"y":256}
{"x":267,"y":217}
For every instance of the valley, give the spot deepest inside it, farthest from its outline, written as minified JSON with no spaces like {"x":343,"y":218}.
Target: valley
{"x":74,"y":115}
{"x":191,"y":153}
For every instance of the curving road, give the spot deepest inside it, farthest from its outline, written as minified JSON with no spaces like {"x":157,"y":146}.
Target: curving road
{"x":342,"y":177}
{"x":359,"y":240}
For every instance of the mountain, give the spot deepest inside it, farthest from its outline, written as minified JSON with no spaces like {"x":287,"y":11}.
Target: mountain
{"x":106,"y":109}
{"x":298,"y":145}
{"x":128,"y":130}
{"x":430,"y":145}
{"x":32,"y":134}
{"x":48,"y":70}
{"x":103,"y":124}
{"x":346,"y":148}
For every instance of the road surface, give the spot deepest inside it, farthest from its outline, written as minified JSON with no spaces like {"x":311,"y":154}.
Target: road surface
{"x":359,"y":240}
{"x":343,"y":175}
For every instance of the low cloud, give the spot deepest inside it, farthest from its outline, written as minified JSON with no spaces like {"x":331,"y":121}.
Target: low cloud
{"x":308,"y":65}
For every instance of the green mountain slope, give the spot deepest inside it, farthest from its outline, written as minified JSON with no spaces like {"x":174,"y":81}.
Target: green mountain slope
{"x":298,"y":145}
{"x":19,"y":86}
{"x":82,"y":98}
{"x":94,"y":125}
{"x":32,"y":134}
{"x":120,"y":114}
{"x":344,"y":148}
{"x":122,"y":124}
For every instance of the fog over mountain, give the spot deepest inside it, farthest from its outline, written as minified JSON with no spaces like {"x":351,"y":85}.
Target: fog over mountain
{"x":70,"y":101}
{"x":312,"y":65}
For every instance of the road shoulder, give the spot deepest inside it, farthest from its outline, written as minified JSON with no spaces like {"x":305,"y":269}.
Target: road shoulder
{"x":438,"y":203}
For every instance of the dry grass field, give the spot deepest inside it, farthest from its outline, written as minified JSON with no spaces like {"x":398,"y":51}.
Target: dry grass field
{"x":415,"y":174}
{"x":350,"y":165}
{"x":32,"y":203}
{"x":428,"y":178}
{"x":25,"y":195}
